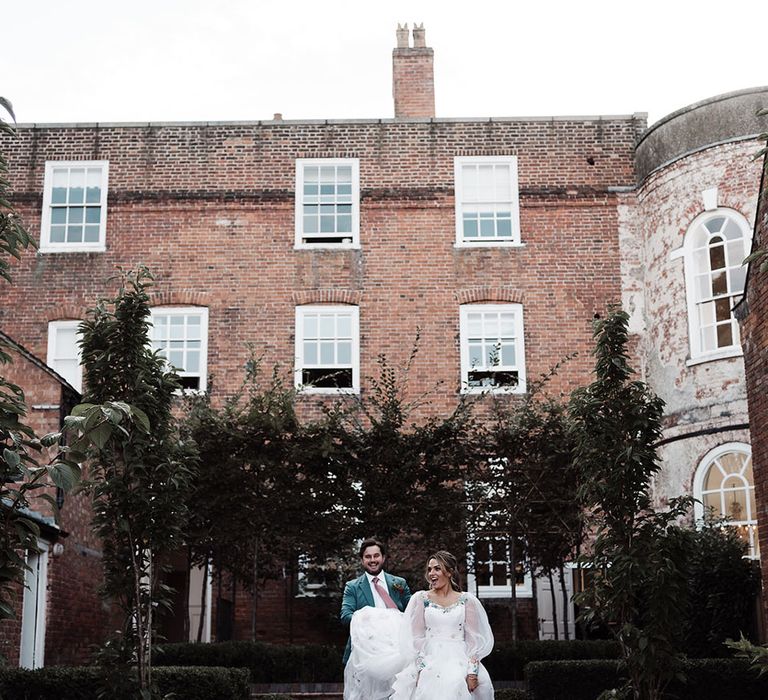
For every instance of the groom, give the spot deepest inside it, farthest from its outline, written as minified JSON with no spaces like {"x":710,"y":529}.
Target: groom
{"x":375,"y":587}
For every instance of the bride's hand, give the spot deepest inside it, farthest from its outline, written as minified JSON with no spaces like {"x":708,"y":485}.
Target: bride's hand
{"x":472,"y":682}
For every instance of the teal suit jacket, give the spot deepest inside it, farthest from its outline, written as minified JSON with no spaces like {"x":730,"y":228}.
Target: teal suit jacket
{"x":358,"y":594}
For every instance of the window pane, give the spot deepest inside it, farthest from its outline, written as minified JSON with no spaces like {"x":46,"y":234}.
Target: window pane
{"x":712,"y":507}
{"x":723,"y":309}
{"x":736,"y":504}
{"x":504,"y":228}
{"x":714,"y":225}
{"x":93,"y":186}
{"x":344,"y":349}
{"x":59,"y":186}
{"x":716,"y":254}
{"x":344,"y":326}
{"x":327,"y":354}
{"x":474,"y":325}
{"x":310,"y":326}
{"x":310,"y":353}
{"x":724,"y":335}
{"x":91,"y":234}
{"x":58,"y":215}
{"x":74,"y":234}
{"x":508,"y":355}
{"x":57,"y":234}
{"x":76,"y":186}
{"x":327,"y":326}
{"x":719,"y":283}
{"x":93,"y":215}
{"x":470,"y":227}
{"x":76,"y":215}
{"x":176,"y":359}
{"x":193,"y":361}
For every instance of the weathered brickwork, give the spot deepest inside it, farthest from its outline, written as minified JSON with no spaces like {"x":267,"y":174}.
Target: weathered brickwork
{"x":210,"y":209}
{"x":76,"y":618}
{"x":708,"y":396}
{"x":755,"y":342}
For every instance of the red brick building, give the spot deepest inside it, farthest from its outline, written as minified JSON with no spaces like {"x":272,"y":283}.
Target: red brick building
{"x":60,"y":612}
{"x":327,"y":242}
{"x":753,"y":313}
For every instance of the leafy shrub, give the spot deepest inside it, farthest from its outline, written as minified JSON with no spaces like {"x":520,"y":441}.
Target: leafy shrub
{"x":570,"y":680}
{"x":84,"y":683}
{"x":511,"y":694}
{"x":706,"y":679}
{"x":268,"y":663}
{"x":507,"y":661}
{"x":722,"y":589}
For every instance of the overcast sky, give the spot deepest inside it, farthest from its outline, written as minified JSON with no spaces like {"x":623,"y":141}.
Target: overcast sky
{"x":185,"y":60}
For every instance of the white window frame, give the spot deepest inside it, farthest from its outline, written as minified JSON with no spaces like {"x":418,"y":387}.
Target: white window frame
{"x":354,"y":235}
{"x":52,"y":356}
{"x":517,"y":309}
{"x":46,"y":245}
{"x":699,"y":481}
{"x":687,"y":251}
{"x":202,"y":312}
{"x":522,"y":590}
{"x":354,"y":312}
{"x":514,"y":200}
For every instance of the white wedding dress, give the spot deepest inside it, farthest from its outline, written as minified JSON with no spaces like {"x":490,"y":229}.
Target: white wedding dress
{"x":422,"y":654}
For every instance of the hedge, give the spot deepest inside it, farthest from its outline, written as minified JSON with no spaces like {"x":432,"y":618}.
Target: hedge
{"x":511,"y":694}
{"x":84,"y":683}
{"x":707,"y":679}
{"x":507,"y":661}
{"x":275,"y":663}
{"x":268,"y":663}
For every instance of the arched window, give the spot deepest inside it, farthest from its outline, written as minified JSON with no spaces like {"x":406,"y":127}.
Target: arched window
{"x":715,"y":246}
{"x":725,"y":485}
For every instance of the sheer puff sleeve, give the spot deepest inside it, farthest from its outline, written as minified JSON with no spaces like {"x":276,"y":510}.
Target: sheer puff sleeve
{"x":412,"y":640}
{"x":477,"y":633}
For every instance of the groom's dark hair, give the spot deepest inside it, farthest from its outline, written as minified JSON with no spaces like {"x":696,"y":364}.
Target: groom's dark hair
{"x":372,"y":542}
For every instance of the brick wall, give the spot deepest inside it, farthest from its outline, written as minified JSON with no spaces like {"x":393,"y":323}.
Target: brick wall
{"x":755,"y":343}
{"x":210,"y":209}
{"x":76,"y":618}
{"x":705,"y":396}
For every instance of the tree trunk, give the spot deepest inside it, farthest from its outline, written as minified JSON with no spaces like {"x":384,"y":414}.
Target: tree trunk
{"x":513,"y":609}
{"x":564,"y":590}
{"x":554,"y":603}
{"x":203,"y":600}
{"x":255,"y":589}
{"x":185,"y":603}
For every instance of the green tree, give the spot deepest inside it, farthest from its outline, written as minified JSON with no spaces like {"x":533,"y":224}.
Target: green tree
{"x":271,"y":489}
{"x":638,"y":554}
{"x":140,"y":465}
{"x":407,"y":472}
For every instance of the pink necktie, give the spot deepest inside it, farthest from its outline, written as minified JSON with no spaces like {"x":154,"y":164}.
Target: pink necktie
{"x":383,"y":594}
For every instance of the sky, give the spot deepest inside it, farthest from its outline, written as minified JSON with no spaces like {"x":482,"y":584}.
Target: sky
{"x":244,"y":60}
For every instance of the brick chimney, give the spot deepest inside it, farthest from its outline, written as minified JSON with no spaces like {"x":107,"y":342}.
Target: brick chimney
{"x":413,"y":75}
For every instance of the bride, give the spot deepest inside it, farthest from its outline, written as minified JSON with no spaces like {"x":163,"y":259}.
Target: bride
{"x":432,"y":651}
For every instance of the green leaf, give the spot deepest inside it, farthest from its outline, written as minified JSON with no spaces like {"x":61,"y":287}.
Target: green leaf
{"x":12,"y":458}
{"x":82,"y":409}
{"x":100,"y":435}
{"x":65,"y":476}
{"x":141,"y":419}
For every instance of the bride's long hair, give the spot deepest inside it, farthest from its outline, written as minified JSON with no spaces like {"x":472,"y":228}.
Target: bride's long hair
{"x":450,"y":566}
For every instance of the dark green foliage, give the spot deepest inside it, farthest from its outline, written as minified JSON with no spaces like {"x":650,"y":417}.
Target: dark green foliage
{"x":83,"y":683}
{"x":268,"y":663}
{"x":408,"y":471}
{"x":570,"y":680}
{"x":511,"y":694}
{"x":140,"y":465}
{"x":638,"y":553}
{"x":722,"y":589}
{"x":705,"y":679}
{"x":507,"y":661}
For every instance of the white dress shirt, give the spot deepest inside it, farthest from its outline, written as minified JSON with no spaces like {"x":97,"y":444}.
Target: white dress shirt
{"x":377,"y":601}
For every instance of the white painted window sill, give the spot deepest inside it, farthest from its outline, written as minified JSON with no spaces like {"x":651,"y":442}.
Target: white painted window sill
{"x":486,"y":592}
{"x":353,"y":391}
{"x":327,"y":246}
{"x":713,"y":357}
{"x":488,"y":244}
{"x":72,"y":249}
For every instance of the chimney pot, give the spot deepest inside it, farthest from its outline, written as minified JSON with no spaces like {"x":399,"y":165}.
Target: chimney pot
{"x":278,"y":117}
{"x":419,"y":38}
{"x":402,"y":36}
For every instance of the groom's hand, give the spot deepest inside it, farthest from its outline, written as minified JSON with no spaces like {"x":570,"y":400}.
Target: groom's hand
{"x":472,"y":682}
